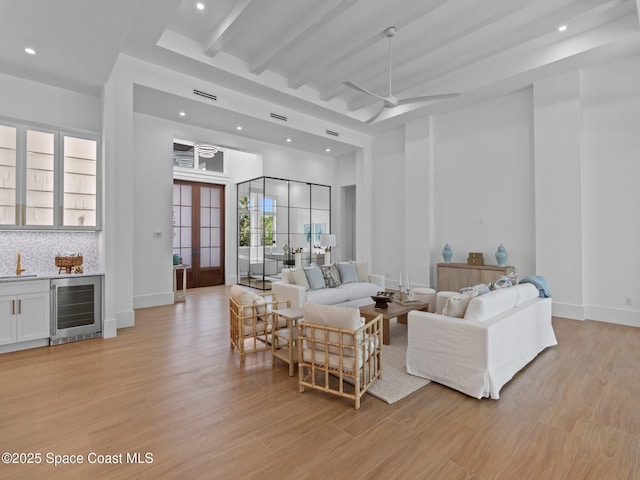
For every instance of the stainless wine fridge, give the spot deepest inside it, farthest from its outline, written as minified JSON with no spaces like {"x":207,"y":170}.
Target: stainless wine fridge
{"x":76,"y":309}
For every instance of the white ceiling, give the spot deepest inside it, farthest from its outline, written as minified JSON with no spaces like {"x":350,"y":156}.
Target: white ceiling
{"x":298,"y":53}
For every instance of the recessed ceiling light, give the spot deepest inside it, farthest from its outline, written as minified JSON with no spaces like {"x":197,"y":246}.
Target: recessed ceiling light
{"x":328,"y":150}
{"x":288,"y":140}
{"x":239,"y":127}
{"x":562,"y":28}
{"x":200,"y":6}
{"x":30,"y":51}
{"x":182,"y":114}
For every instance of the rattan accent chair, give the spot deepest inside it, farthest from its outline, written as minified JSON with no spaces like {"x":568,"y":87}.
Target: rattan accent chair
{"x":339,"y":350}
{"x":251,"y":320}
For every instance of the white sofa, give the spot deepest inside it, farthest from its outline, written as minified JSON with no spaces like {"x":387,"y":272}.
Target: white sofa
{"x":499,"y":333}
{"x":352,"y":294}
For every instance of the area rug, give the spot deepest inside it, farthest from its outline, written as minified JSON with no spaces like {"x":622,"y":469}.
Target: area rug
{"x":396,"y":383}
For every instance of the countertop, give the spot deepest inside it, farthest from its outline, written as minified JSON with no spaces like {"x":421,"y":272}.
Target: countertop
{"x":25,"y":277}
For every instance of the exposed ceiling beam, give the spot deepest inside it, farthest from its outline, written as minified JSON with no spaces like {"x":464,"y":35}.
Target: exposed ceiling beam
{"x":225,"y":30}
{"x":367,"y":38}
{"x":313,"y":22}
{"x":516,"y":29}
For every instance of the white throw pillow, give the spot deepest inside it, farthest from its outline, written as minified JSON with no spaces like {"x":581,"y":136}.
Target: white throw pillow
{"x":456,"y":305}
{"x":298,"y":277}
{"x":362,"y":268}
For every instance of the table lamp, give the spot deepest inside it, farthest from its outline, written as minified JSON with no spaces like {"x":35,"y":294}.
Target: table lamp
{"x":327,"y":240}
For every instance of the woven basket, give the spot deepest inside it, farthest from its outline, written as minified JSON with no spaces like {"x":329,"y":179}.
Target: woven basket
{"x":68,"y":263}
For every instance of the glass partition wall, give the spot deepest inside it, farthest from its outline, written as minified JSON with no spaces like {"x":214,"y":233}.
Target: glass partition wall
{"x":275,"y":218}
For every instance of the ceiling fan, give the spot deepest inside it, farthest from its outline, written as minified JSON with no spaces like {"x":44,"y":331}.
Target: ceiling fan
{"x":390,"y":101}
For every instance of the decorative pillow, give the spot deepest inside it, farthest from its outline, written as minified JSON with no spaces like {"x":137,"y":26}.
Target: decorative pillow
{"x":286,"y":275}
{"x":331,"y":276}
{"x":348,"y":272}
{"x":299,"y":278}
{"x":362,"y":268}
{"x":481,"y":289}
{"x":314,"y":277}
{"x":456,"y":305}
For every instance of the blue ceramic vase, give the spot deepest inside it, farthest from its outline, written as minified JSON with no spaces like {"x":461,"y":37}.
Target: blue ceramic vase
{"x":501,"y":256}
{"x":446,"y":253}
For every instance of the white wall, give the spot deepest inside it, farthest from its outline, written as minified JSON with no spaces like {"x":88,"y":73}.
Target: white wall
{"x":484,"y":189}
{"x":36,"y":102}
{"x":153,"y":173}
{"x":388,"y":226}
{"x":611,"y":149}
{"x":558,"y":183}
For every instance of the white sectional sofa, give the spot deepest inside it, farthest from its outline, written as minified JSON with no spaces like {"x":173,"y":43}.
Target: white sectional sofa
{"x":356,"y":286}
{"x":499,"y":333}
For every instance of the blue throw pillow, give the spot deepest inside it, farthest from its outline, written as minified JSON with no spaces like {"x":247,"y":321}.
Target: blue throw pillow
{"x":314,"y":277}
{"x":348,"y":272}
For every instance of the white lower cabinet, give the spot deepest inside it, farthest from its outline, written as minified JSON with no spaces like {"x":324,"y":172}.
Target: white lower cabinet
{"x":24,"y":314}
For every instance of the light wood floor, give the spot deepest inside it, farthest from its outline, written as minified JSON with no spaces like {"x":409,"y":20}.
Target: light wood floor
{"x":171,"y":387}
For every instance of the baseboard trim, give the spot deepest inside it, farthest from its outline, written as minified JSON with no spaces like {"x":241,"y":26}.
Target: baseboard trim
{"x":126,"y":319}
{"x":153,"y":300}
{"x":109,"y":328}
{"x":568,"y":310}
{"x":618,"y":316}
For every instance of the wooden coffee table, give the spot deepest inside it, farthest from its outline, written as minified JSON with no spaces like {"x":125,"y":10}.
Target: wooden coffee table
{"x":394,"y":310}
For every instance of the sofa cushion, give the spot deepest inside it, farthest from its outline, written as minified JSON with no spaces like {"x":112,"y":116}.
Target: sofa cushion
{"x":526,"y":292}
{"x":247,"y":299}
{"x":359,"y":290}
{"x":331,"y":275}
{"x":314,"y":277}
{"x":299,"y":278}
{"x":348,"y":272}
{"x":484,"y":307}
{"x":327,"y":296}
{"x":346,"y":318}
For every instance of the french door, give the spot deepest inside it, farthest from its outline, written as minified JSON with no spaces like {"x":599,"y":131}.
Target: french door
{"x":198,"y":232}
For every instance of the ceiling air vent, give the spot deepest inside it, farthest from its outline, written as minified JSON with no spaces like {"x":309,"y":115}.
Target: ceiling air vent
{"x":210,"y":96}
{"x":335,"y":134}
{"x":279,"y":117}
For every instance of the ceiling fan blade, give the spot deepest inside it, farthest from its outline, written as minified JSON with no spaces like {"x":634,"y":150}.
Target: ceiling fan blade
{"x":364,"y":90}
{"x":427,"y":98}
{"x":376,"y":115}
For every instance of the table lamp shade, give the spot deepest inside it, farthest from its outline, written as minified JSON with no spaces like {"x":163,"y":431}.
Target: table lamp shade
{"x":328,"y":240}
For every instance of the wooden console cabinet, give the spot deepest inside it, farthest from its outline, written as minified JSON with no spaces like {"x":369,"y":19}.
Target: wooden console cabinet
{"x":454,"y":276}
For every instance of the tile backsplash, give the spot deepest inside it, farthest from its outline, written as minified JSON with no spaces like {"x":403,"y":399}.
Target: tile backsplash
{"x":38,"y":250}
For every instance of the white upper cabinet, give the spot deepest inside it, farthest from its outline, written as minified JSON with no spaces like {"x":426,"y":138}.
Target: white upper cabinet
{"x":49,"y":179}
{"x":8,"y":175}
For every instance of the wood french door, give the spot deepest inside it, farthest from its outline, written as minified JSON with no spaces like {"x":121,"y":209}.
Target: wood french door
{"x":198,"y":211}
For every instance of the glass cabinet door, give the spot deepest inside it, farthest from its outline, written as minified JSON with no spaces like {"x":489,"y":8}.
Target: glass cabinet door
{"x":79,"y":182}
{"x":8,"y":175}
{"x":39,"y":203}
{"x":48,"y":179}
